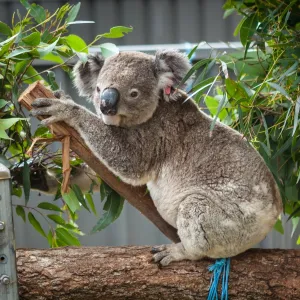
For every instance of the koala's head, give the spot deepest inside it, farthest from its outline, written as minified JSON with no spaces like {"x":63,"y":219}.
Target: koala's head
{"x":127,"y":87}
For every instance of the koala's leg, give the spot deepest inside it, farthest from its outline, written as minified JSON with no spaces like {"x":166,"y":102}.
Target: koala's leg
{"x":205,"y":230}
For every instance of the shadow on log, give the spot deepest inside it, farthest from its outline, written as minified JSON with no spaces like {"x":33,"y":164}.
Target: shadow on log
{"x":110,"y":273}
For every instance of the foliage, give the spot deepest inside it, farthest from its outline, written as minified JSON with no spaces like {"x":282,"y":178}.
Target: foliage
{"x":44,"y":35}
{"x":258,"y":91}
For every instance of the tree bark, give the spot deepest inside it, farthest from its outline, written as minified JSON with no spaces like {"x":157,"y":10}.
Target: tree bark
{"x":126,"y":273}
{"x":136,"y":196}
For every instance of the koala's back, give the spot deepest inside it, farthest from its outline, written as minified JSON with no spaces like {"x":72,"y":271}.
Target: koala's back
{"x":218,"y":168}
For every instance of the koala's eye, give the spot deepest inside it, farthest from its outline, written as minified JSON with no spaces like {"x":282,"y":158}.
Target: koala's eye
{"x":98,"y":89}
{"x":134,"y":93}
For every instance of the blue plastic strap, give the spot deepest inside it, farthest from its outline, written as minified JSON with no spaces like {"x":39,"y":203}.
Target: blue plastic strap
{"x":221,"y":265}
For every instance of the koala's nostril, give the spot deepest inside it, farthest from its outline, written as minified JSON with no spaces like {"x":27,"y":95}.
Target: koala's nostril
{"x":109,"y":100}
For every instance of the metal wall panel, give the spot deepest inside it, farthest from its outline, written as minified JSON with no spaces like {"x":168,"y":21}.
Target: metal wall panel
{"x":154,"y":21}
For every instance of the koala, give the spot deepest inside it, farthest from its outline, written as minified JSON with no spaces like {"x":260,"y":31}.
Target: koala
{"x":45,"y":179}
{"x":212,"y":186}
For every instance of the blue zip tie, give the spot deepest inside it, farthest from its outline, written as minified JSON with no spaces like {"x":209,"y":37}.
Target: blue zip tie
{"x":221,"y":265}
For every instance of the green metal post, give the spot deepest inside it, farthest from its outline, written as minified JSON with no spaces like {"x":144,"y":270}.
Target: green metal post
{"x":8,"y":270}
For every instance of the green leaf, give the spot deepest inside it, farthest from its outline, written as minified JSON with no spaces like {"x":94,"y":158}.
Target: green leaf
{"x":3,"y":103}
{"x":298,"y":240}
{"x":296,"y":115}
{"x":53,"y":57}
{"x":49,"y":206}
{"x":71,"y":200}
{"x":47,"y":48}
{"x":50,"y":238}
{"x":21,"y":212}
{"x":36,"y":11}
{"x":18,"y":52}
{"x":235,"y":91}
{"x":9,"y":40}
{"x":280,"y":89}
{"x":20,"y":67}
{"x":26,"y":181}
{"x":33,"y":39}
{"x":238,"y":27}
{"x":284,"y":147}
{"x":278,"y":226}
{"x":73,"y":13}
{"x":113,"y":207}
{"x":79,"y":196}
{"x":32,"y":75}
{"x":220,"y":107}
{"x":295,"y":222}
{"x":228,"y":12}
{"x":116,"y":32}
{"x":4,"y":29}
{"x":5,"y":124}
{"x":76,"y":43}
{"x":192,"y":70}
{"x":266,"y":132}
{"x":248,"y":28}
{"x":212,"y":105}
{"x":82,"y":56}
{"x":36,"y":224}
{"x":108,"y":49}
{"x":67,"y":237}
{"x":57,"y":219}
{"x":51,"y":80}
{"x":91,"y":203}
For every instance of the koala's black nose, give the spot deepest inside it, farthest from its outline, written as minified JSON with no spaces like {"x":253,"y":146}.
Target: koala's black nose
{"x":109,"y":100}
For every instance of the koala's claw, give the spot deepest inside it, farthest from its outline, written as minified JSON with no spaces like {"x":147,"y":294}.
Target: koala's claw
{"x":60,"y":94}
{"x":41,"y":102}
{"x":157,"y":249}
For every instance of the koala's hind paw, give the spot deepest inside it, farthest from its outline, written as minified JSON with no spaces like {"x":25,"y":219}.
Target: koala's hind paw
{"x":157,"y":249}
{"x":165,"y":254}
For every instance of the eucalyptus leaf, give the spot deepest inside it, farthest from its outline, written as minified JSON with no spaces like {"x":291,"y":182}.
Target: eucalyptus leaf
{"x":73,"y":13}
{"x":49,"y":206}
{"x":36,"y":224}
{"x":248,"y":28}
{"x":113,"y":208}
{"x":116,"y":32}
{"x":76,"y":43}
{"x":33,"y":39}
{"x":80,"y":196}
{"x":21,"y":212}
{"x":4,"y":29}
{"x":71,"y":200}
{"x":26,"y":181}
{"x":67,"y":237}
{"x":57,"y":219}
{"x":108,"y":49}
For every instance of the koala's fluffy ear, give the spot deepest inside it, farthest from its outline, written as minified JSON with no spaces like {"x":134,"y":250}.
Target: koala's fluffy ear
{"x":86,"y":74}
{"x":170,"y":67}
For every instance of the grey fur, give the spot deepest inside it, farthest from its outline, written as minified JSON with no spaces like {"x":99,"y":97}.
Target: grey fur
{"x":212,"y":186}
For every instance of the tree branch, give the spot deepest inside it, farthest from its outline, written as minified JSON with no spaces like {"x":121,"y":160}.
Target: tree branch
{"x":136,"y":196}
{"x":126,"y":273}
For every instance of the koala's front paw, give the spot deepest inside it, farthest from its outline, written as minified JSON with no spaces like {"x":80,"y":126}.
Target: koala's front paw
{"x":60,"y":94}
{"x":56,"y":110}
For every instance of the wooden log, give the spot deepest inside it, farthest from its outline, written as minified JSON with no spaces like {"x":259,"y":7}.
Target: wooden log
{"x":136,"y":196}
{"x":110,"y":273}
